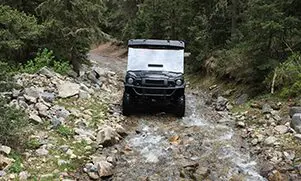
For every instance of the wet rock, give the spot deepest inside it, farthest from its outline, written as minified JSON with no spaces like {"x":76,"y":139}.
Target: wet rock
{"x":47,"y":72}
{"x":24,"y":175}
{"x":271,"y":140}
{"x":68,"y":89}
{"x":282,"y":129}
{"x":294,"y":110}
{"x":5,"y":149}
{"x":296,"y":122}
{"x":266,"y":109}
{"x":242,"y":99}
{"x":35,"y":118}
{"x":221,"y":104}
{"x":107,"y":136}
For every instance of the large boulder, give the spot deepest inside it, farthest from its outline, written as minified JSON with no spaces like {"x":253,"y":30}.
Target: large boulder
{"x":68,"y":89}
{"x":296,"y":122}
{"x":294,"y":110}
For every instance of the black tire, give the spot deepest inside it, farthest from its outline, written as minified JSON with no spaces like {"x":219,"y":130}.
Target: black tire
{"x":126,"y":104}
{"x":180,"y":107}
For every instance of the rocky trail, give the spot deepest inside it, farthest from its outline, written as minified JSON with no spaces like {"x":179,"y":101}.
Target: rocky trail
{"x":202,"y":145}
{"x":77,"y":132}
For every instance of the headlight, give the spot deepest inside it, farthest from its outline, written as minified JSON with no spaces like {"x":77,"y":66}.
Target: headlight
{"x":179,"y":82}
{"x":130,"y":80}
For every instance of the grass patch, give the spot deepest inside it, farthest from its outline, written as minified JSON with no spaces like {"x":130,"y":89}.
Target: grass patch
{"x":65,"y":131}
{"x":33,"y":144}
{"x":17,"y":165}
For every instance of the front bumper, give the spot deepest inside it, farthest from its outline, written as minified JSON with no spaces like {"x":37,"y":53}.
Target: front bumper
{"x":154,"y":91}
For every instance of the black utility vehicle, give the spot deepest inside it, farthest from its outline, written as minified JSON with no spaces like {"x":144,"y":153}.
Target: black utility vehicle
{"x":155,"y":75}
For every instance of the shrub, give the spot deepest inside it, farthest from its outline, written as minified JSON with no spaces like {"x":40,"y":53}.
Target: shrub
{"x":44,"y":58}
{"x":12,"y":123}
{"x":287,"y":76}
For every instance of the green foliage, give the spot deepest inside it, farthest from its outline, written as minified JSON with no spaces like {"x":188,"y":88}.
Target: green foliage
{"x":12,"y":123}
{"x":18,"y":34}
{"x":65,"y":131}
{"x":33,"y":144}
{"x":45,"y":58}
{"x":17,"y":165}
{"x":288,"y":76}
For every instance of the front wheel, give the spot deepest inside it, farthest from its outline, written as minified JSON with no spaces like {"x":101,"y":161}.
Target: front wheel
{"x":180,"y":107}
{"x":126,"y":104}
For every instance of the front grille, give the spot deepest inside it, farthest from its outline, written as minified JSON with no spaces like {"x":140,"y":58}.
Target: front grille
{"x":158,"y":92}
{"x":154,"y":82}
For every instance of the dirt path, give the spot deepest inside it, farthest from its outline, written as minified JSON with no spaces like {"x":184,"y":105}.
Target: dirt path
{"x":201,"y":146}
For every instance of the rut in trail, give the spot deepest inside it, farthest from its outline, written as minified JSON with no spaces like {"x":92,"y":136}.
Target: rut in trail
{"x":202,"y":145}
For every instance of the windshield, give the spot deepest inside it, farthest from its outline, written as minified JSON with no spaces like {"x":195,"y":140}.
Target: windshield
{"x":156,"y":60}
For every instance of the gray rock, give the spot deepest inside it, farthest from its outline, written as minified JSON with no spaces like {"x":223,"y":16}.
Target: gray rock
{"x":62,"y":162}
{"x":5,"y":162}
{"x":101,"y":72}
{"x":120,"y":130}
{"x":107,"y":136}
{"x":2,"y":173}
{"x":35,"y":118}
{"x":56,"y":122}
{"x":68,"y":89}
{"x":105,"y":168}
{"x":84,"y":95}
{"x":30,"y":99}
{"x":32,"y":92}
{"x":294,"y":110}
{"x":282,"y":129}
{"x":47,"y":96}
{"x":41,"y":107}
{"x":93,"y":175}
{"x":270,"y":141}
{"x":298,"y":136}
{"x":241,"y":124}
{"x":5,"y":149}
{"x":16,"y":93}
{"x":266,"y":109}
{"x":47,"y":72}
{"x":24,"y":175}
{"x":242,"y":99}
{"x":221,"y":104}
{"x":296,"y":122}
{"x":61,"y":112}
{"x":42,"y":151}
